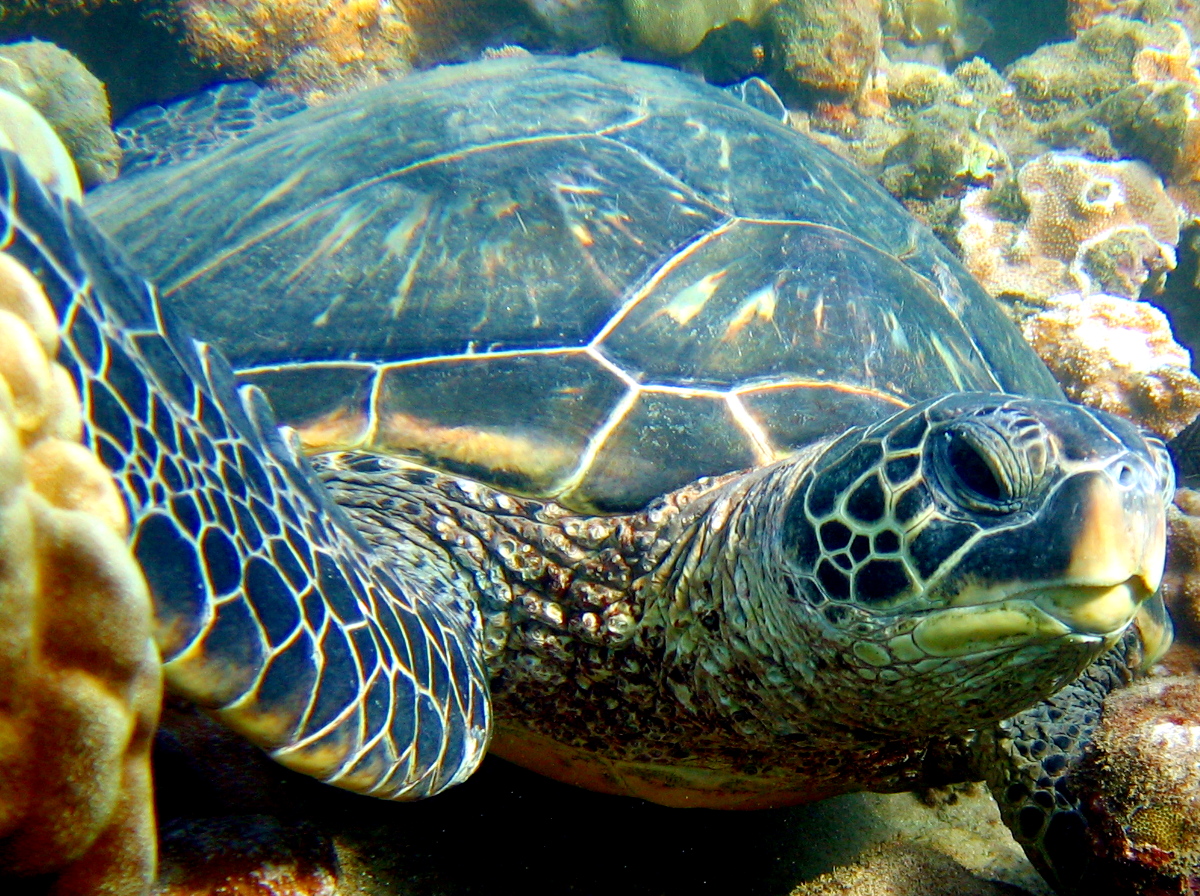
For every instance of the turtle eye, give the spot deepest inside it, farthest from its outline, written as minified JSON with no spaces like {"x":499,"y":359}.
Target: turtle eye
{"x":980,"y":469}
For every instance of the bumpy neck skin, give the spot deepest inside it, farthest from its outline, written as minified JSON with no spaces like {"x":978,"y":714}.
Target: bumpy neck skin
{"x":667,"y":635}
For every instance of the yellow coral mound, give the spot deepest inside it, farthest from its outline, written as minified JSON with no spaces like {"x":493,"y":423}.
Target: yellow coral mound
{"x":80,"y":673}
{"x":1118,"y":355}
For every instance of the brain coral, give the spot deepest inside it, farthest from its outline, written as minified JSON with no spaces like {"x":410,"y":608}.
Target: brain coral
{"x":82,"y":683}
{"x":1091,"y":227}
{"x":1118,"y":355}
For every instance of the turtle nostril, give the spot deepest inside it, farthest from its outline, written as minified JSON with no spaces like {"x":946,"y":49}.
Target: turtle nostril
{"x":1125,"y":476}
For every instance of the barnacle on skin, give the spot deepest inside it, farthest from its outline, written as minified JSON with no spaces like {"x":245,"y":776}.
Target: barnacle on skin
{"x":82,"y":683}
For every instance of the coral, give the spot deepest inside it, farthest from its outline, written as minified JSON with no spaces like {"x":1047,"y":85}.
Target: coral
{"x":1117,"y":355}
{"x":676,"y":27}
{"x":74,"y":103}
{"x":82,"y":682}
{"x":1091,"y":227}
{"x":1141,"y":784}
{"x":24,"y":131}
{"x":828,"y":46}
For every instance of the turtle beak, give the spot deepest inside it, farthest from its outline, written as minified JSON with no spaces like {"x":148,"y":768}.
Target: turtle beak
{"x":1118,"y":553}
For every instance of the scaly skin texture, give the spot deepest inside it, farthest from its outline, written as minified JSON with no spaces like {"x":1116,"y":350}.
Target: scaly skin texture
{"x":673,"y":654}
{"x":623,"y":659}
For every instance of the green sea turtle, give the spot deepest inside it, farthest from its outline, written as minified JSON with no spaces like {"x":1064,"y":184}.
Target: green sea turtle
{"x":650,"y":445}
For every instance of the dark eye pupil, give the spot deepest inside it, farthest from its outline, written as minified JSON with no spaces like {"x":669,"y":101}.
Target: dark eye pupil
{"x":972,"y":470}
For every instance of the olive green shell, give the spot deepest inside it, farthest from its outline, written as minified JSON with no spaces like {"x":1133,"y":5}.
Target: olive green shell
{"x":572,"y":278}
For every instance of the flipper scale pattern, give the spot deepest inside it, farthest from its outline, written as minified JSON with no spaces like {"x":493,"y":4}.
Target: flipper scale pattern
{"x":272,"y":610}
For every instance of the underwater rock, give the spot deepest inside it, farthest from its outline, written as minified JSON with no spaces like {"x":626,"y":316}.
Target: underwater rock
{"x":316,"y":48}
{"x":1118,"y":355}
{"x":902,"y":869}
{"x":1091,"y":227}
{"x":827,"y":46}
{"x":305,"y":47}
{"x":82,"y":682}
{"x":578,"y":24}
{"x":675,"y":27}
{"x":1141,"y":784}
{"x":71,"y":99}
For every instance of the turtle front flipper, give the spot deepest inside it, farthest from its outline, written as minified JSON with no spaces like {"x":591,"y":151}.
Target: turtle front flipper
{"x":272,"y":611}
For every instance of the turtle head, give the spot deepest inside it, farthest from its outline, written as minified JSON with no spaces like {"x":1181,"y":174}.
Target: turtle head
{"x":983,"y":548}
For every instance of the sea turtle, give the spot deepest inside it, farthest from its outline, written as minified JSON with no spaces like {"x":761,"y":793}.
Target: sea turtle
{"x":650,"y":445}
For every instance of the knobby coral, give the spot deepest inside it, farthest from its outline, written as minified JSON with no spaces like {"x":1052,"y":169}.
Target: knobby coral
{"x":82,"y":683}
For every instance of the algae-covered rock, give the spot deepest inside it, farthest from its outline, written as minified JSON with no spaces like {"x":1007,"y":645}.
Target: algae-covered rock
{"x":72,"y":100}
{"x":676,"y":27}
{"x":829,"y":46}
{"x":1077,"y":75}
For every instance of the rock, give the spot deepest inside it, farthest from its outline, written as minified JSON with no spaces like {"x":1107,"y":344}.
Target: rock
{"x":246,"y":855}
{"x":676,"y":27}
{"x":827,"y":46}
{"x":900,"y":869}
{"x":71,"y":99}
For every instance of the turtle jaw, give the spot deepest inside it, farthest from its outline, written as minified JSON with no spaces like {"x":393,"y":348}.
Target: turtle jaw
{"x":1083,"y":614}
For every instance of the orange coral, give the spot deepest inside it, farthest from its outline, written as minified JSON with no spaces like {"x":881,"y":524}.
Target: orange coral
{"x":82,"y":681}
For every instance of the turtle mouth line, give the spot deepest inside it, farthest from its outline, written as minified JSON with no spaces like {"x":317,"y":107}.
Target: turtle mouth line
{"x":1083,"y":613}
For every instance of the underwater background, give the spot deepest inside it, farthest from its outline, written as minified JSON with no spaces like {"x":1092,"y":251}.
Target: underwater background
{"x":1054,"y":147}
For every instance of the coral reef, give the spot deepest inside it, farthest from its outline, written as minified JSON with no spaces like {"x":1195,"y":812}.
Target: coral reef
{"x":1091,"y":227}
{"x":74,"y":103}
{"x":1141,"y":785}
{"x":82,"y":682}
{"x":1118,"y":355}
{"x":26,"y":132}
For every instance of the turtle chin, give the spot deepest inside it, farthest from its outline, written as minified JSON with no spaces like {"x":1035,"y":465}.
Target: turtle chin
{"x":1081,"y":614}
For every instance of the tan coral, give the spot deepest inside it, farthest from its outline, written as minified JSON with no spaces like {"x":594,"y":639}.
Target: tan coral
{"x":1118,"y":355}
{"x":82,"y":683}
{"x":1091,"y":227}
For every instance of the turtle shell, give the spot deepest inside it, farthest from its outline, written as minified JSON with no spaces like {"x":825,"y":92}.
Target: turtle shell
{"x":574,"y":278}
